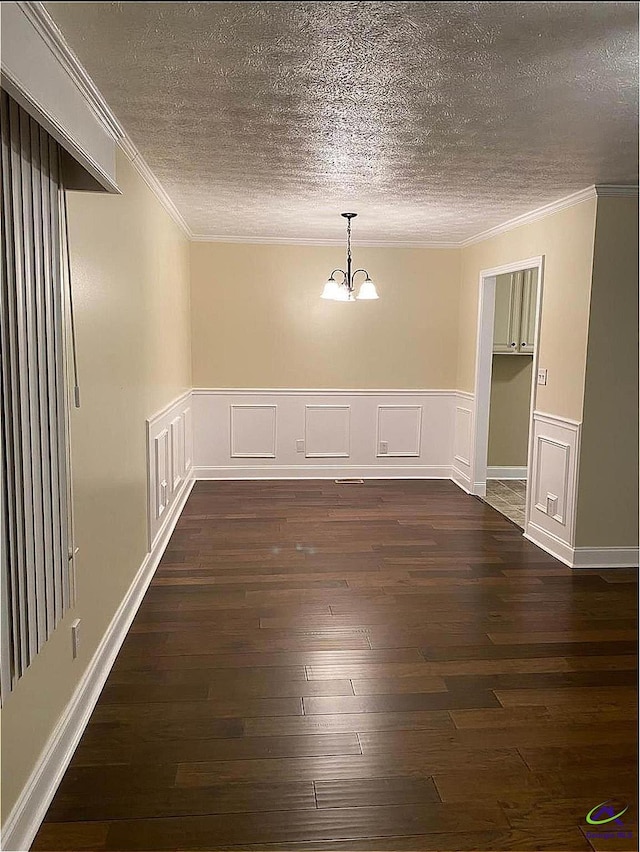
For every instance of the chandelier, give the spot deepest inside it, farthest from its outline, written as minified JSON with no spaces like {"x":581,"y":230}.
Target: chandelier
{"x":343,"y":291}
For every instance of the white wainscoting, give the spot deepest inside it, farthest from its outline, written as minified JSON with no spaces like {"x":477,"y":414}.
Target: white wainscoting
{"x":462,"y":462}
{"x":322,"y":433}
{"x":169,"y":460}
{"x":553,"y":477}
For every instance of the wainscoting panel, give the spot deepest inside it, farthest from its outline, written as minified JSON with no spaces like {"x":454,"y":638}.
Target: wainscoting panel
{"x":399,"y":431}
{"x":323,"y":433}
{"x":253,"y":431}
{"x":326,"y":431}
{"x":553,"y":484}
{"x":169,"y":460}
{"x":462,"y":432}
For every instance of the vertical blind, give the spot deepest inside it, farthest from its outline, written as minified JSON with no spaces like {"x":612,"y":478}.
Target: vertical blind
{"x":34,"y":498}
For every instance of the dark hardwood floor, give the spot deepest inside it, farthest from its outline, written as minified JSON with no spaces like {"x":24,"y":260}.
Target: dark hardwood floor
{"x":386,"y":666}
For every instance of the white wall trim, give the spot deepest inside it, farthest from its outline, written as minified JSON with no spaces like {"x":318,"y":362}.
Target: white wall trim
{"x":484,"y":364}
{"x":549,"y":542}
{"x":324,"y":471}
{"x":554,"y":419}
{"x":184,"y":397}
{"x":533,"y":215}
{"x":144,"y":170}
{"x":582,"y":557}
{"x":95,"y":100}
{"x":27,"y":814}
{"x":616,"y":191}
{"x":169,"y":441}
{"x":323,"y":241}
{"x":51,"y":35}
{"x":498,"y":472}
{"x":66,"y":58}
{"x":324,"y":392}
{"x":605,"y":557}
{"x":461,"y":480}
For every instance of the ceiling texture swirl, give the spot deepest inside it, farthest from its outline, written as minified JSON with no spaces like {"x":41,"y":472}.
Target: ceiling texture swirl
{"x":435,"y":121}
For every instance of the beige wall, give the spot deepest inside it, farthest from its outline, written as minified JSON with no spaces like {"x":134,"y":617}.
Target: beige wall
{"x":131,"y":286}
{"x":509,"y":410}
{"x":258,"y":320}
{"x":607,"y":512}
{"x":566,"y":241}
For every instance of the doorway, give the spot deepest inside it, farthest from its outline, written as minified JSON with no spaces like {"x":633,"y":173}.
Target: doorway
{"x":506,"y":372}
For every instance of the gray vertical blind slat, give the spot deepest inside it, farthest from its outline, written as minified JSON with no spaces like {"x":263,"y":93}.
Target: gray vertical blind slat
{"x":41,"y":463}
{"x":10,"y":652}
{"x":61,"y":399}
{"x":23,"y":474}
{"x":52,"y":532}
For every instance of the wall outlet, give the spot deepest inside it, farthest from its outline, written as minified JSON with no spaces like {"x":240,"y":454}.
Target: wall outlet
{"x":300,"y":446}
{"x":75,"y":637}
{"x":542,"y":377}
{"x":552,"y":505}
{"x":384,"y":448}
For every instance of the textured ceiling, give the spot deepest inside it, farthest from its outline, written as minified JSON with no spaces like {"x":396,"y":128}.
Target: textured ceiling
{"x":435,"y":121}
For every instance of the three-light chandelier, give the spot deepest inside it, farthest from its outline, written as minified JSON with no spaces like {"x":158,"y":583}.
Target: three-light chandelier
{"x":344,"y":291}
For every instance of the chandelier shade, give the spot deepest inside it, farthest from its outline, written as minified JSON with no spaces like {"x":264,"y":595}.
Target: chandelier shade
{"x":368,"y":290}
{"x":344,"y":290}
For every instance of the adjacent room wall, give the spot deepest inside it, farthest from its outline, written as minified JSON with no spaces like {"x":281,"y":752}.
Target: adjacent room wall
{"x":131,"y":287}
{"x":258,"y":320}
{"x":607,"y":512}
{"x":509,"y":410}
{"x":566,"y":241}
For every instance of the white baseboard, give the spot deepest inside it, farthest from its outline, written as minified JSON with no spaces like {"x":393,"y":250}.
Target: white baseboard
{"x":461,"y":480}
{"x":582,"y":557}
{"x":497,"y":472}
{"x":324,"y":471}
{"x":605,"y":557}
{"x":550,"y":543}
{"x":27,"y":814}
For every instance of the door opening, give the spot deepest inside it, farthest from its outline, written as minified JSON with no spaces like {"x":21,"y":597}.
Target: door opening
{"x":506,"y":369}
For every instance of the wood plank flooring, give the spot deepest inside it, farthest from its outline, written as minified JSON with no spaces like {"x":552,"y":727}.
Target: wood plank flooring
{"x":386,"y":666}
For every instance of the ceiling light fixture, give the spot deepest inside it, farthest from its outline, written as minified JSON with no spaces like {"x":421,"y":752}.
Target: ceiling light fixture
{"x":343,"y":291}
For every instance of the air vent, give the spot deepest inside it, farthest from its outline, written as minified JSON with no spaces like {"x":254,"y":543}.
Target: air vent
{"x":349,"y":481}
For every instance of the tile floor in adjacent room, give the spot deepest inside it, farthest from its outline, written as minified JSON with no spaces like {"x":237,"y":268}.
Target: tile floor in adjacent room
{"x":508,"y":497}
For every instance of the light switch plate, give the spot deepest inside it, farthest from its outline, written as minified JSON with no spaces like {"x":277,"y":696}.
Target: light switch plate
{"x":542,"y":377}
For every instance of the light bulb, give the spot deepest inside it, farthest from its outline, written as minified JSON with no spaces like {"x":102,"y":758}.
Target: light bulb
{"x":368,"y":290}
{"x":331,"y":290}
{"x":343,"y":294}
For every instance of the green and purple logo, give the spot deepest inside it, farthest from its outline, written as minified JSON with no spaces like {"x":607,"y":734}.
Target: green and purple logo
{"x":608,"y":816}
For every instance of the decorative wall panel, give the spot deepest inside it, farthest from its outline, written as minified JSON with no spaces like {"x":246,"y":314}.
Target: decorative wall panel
{"x":326,"y":431}
{"x":399,"y":431}
{"x":253,"y":431}
{"x":553,"y":479}
{"x":169,"y":461}
{"x":322,"y":433}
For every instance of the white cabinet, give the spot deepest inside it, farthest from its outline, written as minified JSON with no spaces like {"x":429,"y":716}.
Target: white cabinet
{"x":515,"y":313}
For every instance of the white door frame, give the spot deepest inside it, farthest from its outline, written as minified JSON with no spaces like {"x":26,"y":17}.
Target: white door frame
{"x":484,"y":363}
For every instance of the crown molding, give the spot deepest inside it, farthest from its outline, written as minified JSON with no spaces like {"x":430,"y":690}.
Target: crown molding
{"x":53,"y":37}
{"x":299,"y":241}
{"x":48,"y":30}
{"x":532,"y":216}
{"x":616,"y":191}
{"x":144,"y":170}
